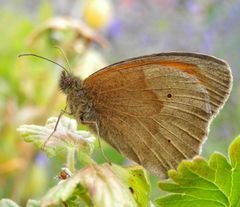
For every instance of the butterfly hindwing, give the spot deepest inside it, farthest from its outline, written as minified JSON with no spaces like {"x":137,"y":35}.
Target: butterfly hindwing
{"x":156,"y":109}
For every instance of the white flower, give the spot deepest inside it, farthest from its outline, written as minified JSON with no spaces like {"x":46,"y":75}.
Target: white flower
{"x":66,"y":135}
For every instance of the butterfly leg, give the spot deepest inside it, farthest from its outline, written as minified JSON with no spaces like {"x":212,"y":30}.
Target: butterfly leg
{"x":99,"y":141}
{"x":55,"y":127}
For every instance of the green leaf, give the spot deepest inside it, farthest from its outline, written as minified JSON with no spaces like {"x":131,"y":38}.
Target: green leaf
{"x":7,"y":203}
{"x":66,"y":136}
{"x":33,"y":203}
{"x":136,"y":180}
{"x":234,"y":154}
{"x":96,"y":185}
{"x":202,"y":183}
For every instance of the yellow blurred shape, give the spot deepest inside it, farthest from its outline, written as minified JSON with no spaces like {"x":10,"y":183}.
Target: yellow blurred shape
{"x":12,"y":165}
{"x":97,"y":13}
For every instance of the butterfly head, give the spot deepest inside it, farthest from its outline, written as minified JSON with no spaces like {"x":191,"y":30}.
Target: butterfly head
{"x":68,"y":82}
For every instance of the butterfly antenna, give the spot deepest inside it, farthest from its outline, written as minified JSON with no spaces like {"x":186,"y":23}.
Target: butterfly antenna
{"x":65,"y":57}
{"x":44,"y":58}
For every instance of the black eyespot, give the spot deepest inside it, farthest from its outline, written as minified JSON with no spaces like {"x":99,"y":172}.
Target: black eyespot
{"x":169,"y":95}
{"x":131,"y":190}
{"x":169,"y":140}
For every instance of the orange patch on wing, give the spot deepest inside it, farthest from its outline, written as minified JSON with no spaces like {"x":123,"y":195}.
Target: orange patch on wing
{"x":185,"y":67}
{"x":189,"y":68}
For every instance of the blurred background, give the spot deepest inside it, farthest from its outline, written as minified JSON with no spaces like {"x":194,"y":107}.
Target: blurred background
{"x":93,"y":34}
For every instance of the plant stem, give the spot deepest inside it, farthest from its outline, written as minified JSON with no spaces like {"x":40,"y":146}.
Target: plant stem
{"x":65,"y":204}
{"x":71,"y":158}
{"x":85,"y":159}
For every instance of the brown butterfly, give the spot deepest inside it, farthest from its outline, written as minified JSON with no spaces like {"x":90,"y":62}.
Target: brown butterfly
{"x":153,"y":109}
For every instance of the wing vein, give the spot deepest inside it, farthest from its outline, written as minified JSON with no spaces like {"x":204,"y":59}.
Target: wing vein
{"x":169,"y":165}
{"x":143,"y":104}
{"x":143,"y":141}
{"x":127,"y":143}
{"x":186,"y":131}
{"x":118,"y":99}
{"x":166,"y":106}
{"x":187,"y":121}
{"x":167,"y":88}
{"x":185,"y":143}
{"x":159,"y":144}
{"x":149,"y":79}
{"x":212,"y":78}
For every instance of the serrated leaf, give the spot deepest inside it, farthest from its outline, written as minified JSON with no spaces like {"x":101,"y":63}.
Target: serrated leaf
{"x":234,"y":154}
{"x":65,"y":136}
{"x":7,"y":203}
{"x":96,"y":185}
{"x":200,"y":183}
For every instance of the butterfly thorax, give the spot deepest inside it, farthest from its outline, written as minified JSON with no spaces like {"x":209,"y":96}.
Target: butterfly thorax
{"x":80,"y":106}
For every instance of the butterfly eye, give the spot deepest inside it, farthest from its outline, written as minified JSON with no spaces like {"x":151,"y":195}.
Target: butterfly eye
{"x":69,"y":81}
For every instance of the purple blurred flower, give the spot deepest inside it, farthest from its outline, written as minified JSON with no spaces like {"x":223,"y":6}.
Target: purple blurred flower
{"x":230,"y":21}
{"x":41,"y":159}
{"x":193,"y":7}
{"x":115,"y":28}
{"x":208,"y":39}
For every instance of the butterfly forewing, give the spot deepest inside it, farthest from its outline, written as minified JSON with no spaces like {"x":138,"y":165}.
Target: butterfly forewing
{"x":156,"y":109}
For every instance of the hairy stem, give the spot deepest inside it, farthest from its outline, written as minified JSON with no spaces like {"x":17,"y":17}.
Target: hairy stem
{"x":71,"y":158}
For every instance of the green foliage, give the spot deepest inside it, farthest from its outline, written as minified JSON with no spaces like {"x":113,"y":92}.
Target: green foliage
{"x":10,"y":203}
{"x":7,"y":203}
{"x":29,"y":94}
{"x":200,"y":183}
{"x":94,"y":185}
{"x":98,"y":185}
{"x":136,"y":180}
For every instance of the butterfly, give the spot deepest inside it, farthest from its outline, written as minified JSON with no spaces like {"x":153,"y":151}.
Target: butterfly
{"x":154,"y":109}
